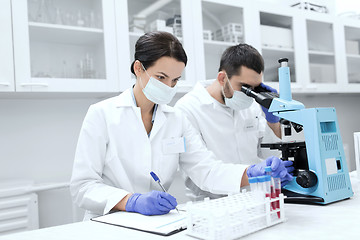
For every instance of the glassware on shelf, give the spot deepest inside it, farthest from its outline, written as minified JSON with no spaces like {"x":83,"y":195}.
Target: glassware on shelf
{"x":86,"y":67}
{"x":64,"y":73}
{"x":58,"y":17}
{"x":42,"y":14}
{"x":80,"y":21}
{"x":92,"y":19}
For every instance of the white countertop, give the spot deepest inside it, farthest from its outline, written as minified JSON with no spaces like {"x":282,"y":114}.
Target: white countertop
{"x":340,"y":220}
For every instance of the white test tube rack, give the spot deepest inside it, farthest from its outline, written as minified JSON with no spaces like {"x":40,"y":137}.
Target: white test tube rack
{"x":233,"y":216}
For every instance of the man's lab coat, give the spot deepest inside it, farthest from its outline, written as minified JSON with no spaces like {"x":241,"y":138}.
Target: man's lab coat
{"x":115,"y":156}
{"x":233,"y":136}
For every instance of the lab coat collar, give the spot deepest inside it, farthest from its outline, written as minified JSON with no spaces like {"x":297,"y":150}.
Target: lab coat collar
{"x":125,"y":100}
{"x":203,"y":94}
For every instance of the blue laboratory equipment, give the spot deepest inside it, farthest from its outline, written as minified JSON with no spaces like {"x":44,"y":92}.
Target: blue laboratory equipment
{"x":321,"y":174}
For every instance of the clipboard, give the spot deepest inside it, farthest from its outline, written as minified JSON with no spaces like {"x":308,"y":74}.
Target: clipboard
{"x":164,"y":225}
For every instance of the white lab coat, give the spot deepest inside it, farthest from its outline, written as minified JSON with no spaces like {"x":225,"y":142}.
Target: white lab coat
{"x":233,"y":136}
{"x":114,"y":155}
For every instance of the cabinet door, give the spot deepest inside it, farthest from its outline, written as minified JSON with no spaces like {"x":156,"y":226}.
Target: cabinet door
{"x":6,"y":48}
{"x":352,"y":54}
{"x":323,"y":54}
{"x":222,"y":27}
{"x":174,"y":16}
{"x":65,"y":46}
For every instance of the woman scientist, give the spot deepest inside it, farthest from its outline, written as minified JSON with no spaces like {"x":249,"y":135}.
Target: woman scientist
{"x":124,"y":138}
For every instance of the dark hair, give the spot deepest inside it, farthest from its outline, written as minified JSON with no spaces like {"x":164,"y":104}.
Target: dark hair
{"x":241,"y":55}
{"x":154,"y":45}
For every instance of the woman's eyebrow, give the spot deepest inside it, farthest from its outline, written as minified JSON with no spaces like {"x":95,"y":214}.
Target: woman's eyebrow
{"x":163,"y":74}
{"x":168,"y":76}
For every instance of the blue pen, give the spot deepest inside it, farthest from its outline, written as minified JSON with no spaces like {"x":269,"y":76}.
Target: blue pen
{"x":156,"y":179}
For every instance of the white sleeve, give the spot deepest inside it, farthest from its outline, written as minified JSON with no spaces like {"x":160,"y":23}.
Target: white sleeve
{"x":87,"y":187}
{"x":185,"y":106}
{"x":204,"y":169}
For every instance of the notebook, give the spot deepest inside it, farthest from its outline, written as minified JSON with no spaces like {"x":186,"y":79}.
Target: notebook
{"x":164,"y":225}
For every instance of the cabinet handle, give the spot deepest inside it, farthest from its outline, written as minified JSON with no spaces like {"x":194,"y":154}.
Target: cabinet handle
{"x":6,"y":84}
{"x":34,"y":84}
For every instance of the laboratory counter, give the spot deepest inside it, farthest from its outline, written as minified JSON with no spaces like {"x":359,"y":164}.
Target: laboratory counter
{"x":340,"y":220}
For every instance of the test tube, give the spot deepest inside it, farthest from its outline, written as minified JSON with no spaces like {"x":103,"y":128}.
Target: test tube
{"x":261,"y":183}
{"x":277,"y":184}
{"x":267,"y":186}
{"x":253,"y":183}
{"x":272,"y":190}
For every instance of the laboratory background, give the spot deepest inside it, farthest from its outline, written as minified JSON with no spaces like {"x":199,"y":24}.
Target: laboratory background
{"x":57,"y":57}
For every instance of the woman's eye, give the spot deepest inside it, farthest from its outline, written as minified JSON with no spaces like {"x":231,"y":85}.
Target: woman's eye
{"x":175,"y":80}
{"x":160,"y":77}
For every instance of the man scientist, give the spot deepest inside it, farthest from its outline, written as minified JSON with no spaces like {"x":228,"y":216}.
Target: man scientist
{"x":231,"y":124}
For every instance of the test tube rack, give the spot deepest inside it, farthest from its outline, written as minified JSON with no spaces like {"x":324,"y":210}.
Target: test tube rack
{"x":233,"y":216}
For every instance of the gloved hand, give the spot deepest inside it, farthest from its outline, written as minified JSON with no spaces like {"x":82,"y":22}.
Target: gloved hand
{"x":279,"y":168}
{"x":289,"y":169}
{"x":151,"y":203}
{"x":268,"y":115}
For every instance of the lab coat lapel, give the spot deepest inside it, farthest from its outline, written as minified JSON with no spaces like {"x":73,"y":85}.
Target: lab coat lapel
{"x":160,"y":119}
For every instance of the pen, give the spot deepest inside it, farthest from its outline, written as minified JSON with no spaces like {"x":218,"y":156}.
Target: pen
{"x":156,"y":179}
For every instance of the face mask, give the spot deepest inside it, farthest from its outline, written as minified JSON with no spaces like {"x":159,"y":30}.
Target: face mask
{"x":239,"y":100}
{"x":158,"y":92}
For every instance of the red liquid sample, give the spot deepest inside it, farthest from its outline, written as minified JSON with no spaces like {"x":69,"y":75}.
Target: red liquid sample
{"x":273,"y":195}
{"x":277,"y":203}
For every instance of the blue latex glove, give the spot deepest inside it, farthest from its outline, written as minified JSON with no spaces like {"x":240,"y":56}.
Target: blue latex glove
{"x":279,"y":168}
{"x":268,"y":115}
{"x":151,"y":203}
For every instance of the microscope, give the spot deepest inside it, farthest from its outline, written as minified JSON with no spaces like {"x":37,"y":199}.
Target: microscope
{"x":321,"y":174}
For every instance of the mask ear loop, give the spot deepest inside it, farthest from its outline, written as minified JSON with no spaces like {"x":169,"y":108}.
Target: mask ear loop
{"x":223,"y":87}
{"x":142,"y":86}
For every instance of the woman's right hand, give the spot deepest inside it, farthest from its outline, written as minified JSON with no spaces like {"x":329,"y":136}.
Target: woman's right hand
{"x":151,"y":203}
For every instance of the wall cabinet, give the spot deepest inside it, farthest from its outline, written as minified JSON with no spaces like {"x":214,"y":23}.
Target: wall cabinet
{"x":64,"y":46}
{"x":88,"y":45}
{"x":6,"y":49}
{"x":323,"y":50}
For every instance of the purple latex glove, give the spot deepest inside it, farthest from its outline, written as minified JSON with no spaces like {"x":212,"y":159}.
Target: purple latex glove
{"x":151,"y":203}
{"x":268,"y":115}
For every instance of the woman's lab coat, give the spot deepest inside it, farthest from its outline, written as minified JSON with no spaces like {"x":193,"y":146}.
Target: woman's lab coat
{"x":115,"y":156}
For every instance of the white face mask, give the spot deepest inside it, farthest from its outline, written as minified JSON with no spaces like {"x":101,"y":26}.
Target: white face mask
{"x":158,"y":92}
{"x":238,"y":101}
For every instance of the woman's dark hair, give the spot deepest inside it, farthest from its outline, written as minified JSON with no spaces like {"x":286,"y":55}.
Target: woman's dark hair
{"x":154,"y":45}
{"x":241,"y":55}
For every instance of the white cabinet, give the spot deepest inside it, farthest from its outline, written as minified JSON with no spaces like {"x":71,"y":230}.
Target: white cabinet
{"x":141,"y":16}
{"x":352,"y":54}
{"x":88,"y":45}
{"x":65,"y":46}
{"x":323,"y":50}
{"x":6,"y":49}
{"x":222,"y":27}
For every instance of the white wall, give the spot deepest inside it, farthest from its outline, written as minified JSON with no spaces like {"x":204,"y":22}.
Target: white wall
{"x":38,"y":140}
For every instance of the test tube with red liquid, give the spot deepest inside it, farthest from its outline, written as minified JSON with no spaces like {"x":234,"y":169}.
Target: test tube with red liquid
{"x":277,"y":185}
{"x":272,"y":189}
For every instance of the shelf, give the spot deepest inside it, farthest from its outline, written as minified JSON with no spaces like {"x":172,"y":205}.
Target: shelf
{"x":215,"y":49}
{"x":219,"y":43}
{"x":64,"y":34}
{"x":136,"y":34}
{"x":314,"y":52}
{"x":353,"y":56}
{"x":277,"y":49}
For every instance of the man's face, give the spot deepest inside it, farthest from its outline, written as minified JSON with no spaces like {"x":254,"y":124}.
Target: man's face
{"x":247,"y":76}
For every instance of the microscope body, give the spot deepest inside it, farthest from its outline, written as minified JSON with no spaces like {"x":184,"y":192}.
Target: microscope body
{"x":321,"y":174}
{"x":325,"y":155}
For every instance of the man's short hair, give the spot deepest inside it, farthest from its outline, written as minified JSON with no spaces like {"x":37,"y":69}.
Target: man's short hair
{"x":241,"y":55}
